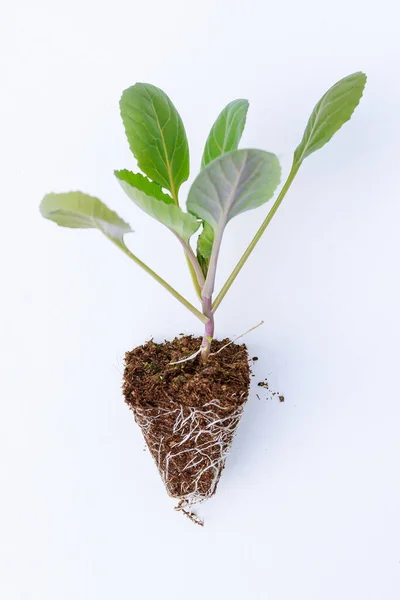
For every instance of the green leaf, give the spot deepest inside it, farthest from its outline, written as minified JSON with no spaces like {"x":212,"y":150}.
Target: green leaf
{"x":156,"y":135}
{"x":78,"y":210}
{"x":204,"y":246}
{"x":205,"y":241}
{"x":224,"y":137}
{"x":150,"y":188}
{"x":233,"y":183}
{"x":226,"y":132}
{"x":160,"y":206}
{"x":332,"y":111}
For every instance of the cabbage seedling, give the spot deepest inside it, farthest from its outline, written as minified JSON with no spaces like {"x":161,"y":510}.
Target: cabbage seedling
{"x":231,"y":181}
{"x":189,"y":412}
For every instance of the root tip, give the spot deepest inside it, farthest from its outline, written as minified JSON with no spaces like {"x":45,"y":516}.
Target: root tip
{"x":189,"y":514}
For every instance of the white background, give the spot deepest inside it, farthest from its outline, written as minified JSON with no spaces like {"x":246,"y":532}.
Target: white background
{"x":309,"y":504}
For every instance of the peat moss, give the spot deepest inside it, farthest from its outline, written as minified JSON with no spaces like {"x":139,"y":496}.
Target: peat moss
{"x":188,"y":412}
{"x":150,"y":379}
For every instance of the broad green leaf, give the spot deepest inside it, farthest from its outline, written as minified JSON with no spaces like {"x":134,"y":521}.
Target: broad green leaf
{"x":78,"y":210}
{"x":160,"y":206}
{"x":156,"y":135}
{"x":233,"y":183}
{"x":226,"y":132}
{"x":332,"y":111}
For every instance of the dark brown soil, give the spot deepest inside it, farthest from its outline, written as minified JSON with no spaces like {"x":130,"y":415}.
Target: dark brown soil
{"x":263,"y":384}
{"x":188,"y":412}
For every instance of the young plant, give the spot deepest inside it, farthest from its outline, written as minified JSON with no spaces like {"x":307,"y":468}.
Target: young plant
{"x":189,"y":410}
{"x":231,"y":181}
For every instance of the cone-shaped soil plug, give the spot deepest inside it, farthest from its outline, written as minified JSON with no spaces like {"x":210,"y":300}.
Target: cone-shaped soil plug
{"x":188,"y":412}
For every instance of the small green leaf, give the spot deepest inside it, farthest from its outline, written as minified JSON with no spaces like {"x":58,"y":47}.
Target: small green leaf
{"x":233,"y":183}
{"x":160,"y":206}
{"x":150,"y":188}
{"x":205,"y":241}
{"x":332,"y":111}
{"x":204,"y":247}
{"x":78,"y":210}
{"x":156,"y":135}
{"x":226,"y":132}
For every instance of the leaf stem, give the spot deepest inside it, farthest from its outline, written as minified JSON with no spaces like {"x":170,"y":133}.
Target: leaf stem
{"x":194,"y":267}
{"x":251,"y":246}
{"x":208,"y":288}
{"x":166,"y":285}
{"x":193,"y":276}
{"x":195,"y":271}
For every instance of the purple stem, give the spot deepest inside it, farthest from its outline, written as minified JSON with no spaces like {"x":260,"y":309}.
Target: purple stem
{"x":209,"y":328}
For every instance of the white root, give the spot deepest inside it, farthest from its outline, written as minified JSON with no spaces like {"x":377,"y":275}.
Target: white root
{"x":186,"y":438}
{"x":182,"y":505}
{"x":237,"y":338}
{"x":193,"y":356}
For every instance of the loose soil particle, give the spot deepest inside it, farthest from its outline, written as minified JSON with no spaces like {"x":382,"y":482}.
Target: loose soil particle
{"x":188,"y":412}
{"x":264,"y":384}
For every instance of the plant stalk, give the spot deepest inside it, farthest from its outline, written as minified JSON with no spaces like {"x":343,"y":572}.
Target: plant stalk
{"x":251,"y":246}
{"x":208,"y":330}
